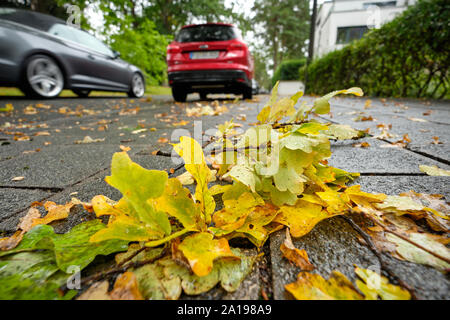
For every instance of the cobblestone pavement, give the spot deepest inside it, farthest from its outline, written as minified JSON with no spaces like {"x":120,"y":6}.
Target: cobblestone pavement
{"x":54,"y":167}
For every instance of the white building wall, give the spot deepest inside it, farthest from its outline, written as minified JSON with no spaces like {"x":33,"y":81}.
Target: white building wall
{"x":349,"y":13}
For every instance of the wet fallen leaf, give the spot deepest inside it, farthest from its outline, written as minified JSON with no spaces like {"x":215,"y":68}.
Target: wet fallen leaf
{"x":436,"y":140}
{"x":97,"y":291}
{"x":294,"y":255}
{"x":42,"y":133}
{"x":361,"y":145}
{"x":7,"y":108}
{"x":55,"y":212}
{"x":88,"y":139}
{"x":17,"y":178}
{"x":163,"y":140}
{"x":417,"y":119}
{"x":29,"y":110}
{"x":374,"y":285}
{"x":201,"y":249}
{"x":126,"y":288}
{"x":313,"y":287}
{"x":434,"y":170}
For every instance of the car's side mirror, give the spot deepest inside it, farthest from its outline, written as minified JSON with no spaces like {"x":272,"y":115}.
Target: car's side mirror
{"x":116,"y":54}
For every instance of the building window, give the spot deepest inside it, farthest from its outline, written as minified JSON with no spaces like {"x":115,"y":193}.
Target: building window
{"x":380,"y":4}
{"x":348,"y":34}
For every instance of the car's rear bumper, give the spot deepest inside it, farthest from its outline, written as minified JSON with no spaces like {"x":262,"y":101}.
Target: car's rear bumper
{"x":210,"y":80}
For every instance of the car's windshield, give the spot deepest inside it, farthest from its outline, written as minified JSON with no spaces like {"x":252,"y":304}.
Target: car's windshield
{"x":207,"y":33}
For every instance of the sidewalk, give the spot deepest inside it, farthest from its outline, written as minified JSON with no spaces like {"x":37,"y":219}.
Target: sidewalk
{"x":54,"y":167}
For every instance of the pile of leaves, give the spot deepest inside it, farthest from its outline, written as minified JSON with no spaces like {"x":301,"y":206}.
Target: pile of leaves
{"x":173,"y":241}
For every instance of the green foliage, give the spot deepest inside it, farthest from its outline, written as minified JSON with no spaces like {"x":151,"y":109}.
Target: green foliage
{"x":285,"y":26}
{"x":144,"y":47}
{"x":406,"y":57}
{"x":288,"y":70}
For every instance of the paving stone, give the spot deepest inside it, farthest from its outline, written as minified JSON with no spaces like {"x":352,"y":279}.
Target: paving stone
{"x":16,"y":200}
{"x":376,"y":159}
{"x":333,"y":245}
{"x":84,"y":191}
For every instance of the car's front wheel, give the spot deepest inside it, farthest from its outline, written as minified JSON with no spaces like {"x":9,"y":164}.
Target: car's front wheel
{"x":81,"y":93}
{"x":179,"y":94}
{"x":137,"y":88}
{"x":43,"y":77}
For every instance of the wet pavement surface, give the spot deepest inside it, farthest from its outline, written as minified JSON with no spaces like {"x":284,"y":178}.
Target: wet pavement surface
{"x":41,"y":142}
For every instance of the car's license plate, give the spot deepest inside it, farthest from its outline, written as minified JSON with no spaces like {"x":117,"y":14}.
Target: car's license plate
{"x":204,"y":55}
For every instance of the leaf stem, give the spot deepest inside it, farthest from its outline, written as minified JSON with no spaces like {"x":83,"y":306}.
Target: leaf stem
{"x":166,"y":239}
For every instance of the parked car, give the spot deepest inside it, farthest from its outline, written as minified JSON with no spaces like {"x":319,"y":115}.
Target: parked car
{"x":42,"y":55}
{"x":209,"y":58}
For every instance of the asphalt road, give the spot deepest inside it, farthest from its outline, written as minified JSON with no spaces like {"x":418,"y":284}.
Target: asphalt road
{"x":42,"y":158}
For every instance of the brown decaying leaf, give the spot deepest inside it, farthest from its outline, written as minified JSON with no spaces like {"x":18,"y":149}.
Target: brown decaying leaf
{"x":126,"y":288}
{"x":97,"y":291}
{"x":55,"y":212}
{"x":294,"y":255}
{"x":436,"y":140}
{"x":361,"y":145}
{"x":32,"y":219}
{"x":25,"y":225}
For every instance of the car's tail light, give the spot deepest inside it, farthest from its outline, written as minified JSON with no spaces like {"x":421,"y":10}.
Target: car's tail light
{"x":236,"y":46}
{"x":173,"y":49}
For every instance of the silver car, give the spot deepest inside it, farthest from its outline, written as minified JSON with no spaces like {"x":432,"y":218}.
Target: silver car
{"x":42,"y":55}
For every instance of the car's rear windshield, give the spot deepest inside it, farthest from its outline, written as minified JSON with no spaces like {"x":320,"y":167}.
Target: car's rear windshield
{"x":203,"y":33}
{"x":31,"y":19}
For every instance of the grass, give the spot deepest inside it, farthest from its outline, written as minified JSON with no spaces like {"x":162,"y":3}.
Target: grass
{"x":152,"y":90}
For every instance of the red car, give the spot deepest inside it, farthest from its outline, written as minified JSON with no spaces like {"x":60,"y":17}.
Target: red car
{"x":209,"y":58}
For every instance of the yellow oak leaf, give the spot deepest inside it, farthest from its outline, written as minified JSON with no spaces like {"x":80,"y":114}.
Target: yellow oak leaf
{"x":201,"y":249}
{"x":194,"y":159}
{"x":374,"y":285}
{"x":302,"y":217}
{"x":313,"y":287}
{"x":177,"y":202}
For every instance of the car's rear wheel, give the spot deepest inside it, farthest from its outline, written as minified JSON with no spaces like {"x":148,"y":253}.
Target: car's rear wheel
{"x":247,"y":93}
{"x":81,"y":93}
{"x":43,"y":77}
{"x":179,"y":94}
{"x":137,"y":88}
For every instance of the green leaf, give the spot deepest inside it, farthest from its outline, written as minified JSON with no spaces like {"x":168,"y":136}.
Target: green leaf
{"x":138,"y":185}
{"x":312,"y":128}
{"x":32,"y":276}
{"x":343,"y":132}
{"x":414,"y":254}
{"x":322,"y":106}
{"x":177,"y":202}
{"x":72,"y":248}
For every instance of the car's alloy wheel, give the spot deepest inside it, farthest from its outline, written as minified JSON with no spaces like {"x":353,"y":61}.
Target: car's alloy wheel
{"x":137,"y":86}
{"x":44,"y":77}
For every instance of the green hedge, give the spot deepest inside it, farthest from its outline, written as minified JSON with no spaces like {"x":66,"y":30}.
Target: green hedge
{"x":407,"y":57}
{"x":288,"y":70}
